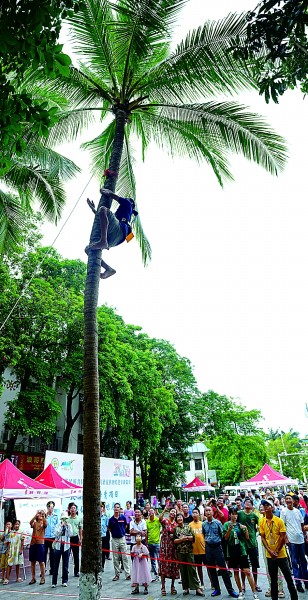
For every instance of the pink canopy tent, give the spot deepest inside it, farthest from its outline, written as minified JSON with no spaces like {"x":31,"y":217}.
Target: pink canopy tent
{"x":62,"y":487}
{"x":196,"y":485}
{"x":268,"y":477}
{"x":15,"y":484}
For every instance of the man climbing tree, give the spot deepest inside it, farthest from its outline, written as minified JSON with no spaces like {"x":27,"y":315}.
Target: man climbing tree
{"x":114,"y":227}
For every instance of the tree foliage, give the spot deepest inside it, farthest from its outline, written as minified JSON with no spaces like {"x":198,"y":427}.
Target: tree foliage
{"x":35,"y":340}
{"x":236,"y":441}
{"x":292,"y":452}
{"x":167,"y":96}
{"x":28,"y":39}
{"x":276,"y":46}
{"x":147,"y":394}
{"x":36,"y":175}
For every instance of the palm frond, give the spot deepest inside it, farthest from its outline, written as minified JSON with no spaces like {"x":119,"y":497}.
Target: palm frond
{"x":144,"y":244}
{"x":126,"y":186}
{"x":32,"y":182}
{"x":100,"y":150}
{"x":201,"y":65}
{"x":91,"y":33}
{"x":184,"y":138}
{"x":230,"y":126}
{"x":126,"y":183}
{"x":70,"y":124}
{"x":11,"y":221}
{"x":57,"y":165}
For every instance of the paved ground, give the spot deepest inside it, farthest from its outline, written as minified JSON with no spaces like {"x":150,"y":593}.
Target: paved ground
{"x":120,"y":590}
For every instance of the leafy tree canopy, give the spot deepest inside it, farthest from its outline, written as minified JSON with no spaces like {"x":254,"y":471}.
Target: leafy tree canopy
{"x":143,"y":89}
{"x":276,"y":46}
{"x":236,"y":441}
{"x":35,"y":340}
{"x":28,"y":39}
{"x":292,"y":452}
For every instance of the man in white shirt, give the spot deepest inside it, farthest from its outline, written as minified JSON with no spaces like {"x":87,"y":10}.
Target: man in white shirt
{"x":294,"y":523}
{"x":138,"y":525}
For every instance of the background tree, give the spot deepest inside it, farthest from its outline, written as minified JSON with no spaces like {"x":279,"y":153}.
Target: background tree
{"x":236,"y":442}
{"x":276,"y":46}
{"x":37,"y":174}
{"x":280,"y":442}
{"x":129,"y":72}
{"x":28,"y":38}
{"x":147,"y":401}
{"x":36,"y":340}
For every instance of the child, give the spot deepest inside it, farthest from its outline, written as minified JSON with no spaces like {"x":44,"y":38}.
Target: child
{"x":4,"y":541}
{"x":140,"y":571}
{"x":15,"y":552}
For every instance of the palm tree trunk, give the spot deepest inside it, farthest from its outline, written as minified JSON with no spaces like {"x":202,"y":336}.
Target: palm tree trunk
{"x":91,"y":577}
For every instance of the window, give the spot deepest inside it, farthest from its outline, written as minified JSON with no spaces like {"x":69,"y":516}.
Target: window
{"x":198,"y":464}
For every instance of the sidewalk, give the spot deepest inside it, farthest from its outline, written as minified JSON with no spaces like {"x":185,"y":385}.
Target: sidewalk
{"x":119,"y":590}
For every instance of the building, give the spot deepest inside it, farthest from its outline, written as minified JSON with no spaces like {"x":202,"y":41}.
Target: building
{"x":197,"y":462}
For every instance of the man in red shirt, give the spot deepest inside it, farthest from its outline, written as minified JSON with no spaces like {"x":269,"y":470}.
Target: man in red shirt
{"x":220,"y":512}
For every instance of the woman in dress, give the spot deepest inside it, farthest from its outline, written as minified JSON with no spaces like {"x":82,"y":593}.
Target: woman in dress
{"x":15,"y":552}
{"x":140,"y":572}
{"x":183,"y":539}
{"x":167,"y":552}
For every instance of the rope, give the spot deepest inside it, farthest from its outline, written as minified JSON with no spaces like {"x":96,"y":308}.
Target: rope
{"x":160,"y":559}
{"x":27,"y":284}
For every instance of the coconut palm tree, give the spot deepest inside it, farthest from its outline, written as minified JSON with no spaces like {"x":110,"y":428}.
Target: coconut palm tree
{"x":144,"y":90}
{"x":36,"y":175}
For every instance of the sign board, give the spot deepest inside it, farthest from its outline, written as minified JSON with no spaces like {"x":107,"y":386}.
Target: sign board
{"x":212,"y":477}
{"x":116,"y":477}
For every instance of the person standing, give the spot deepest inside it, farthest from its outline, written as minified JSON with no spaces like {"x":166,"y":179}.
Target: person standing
{"x":15,"y":553}
{"x":273,"y":534}
{"x":183,"y":539}
{"x":117,"y":527}
{"x":153,"y":526}
{"x":294,"y":523}
{"x":137,"y":525}
{"x":52,"y":522}
{"x":212,"y":531}
{"x":168,"y":566}
{"x":76,"y":540}
{"x":4,"y":543}
{"x":104,"y":532}
{"x":186,"y":516}
{"x":220,"y":511}
{"x":128,"y":512}
{"x":63,"y":534}
{"x":36,"y":552}
{"x":235,"y":536}
{"x":179,"y":506}
{"x":198,"y":545}
{"x":249,"y":519}
{"x":140,"y":571}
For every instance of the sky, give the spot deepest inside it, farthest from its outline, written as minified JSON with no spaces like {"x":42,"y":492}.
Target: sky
{"x":227,"y":283}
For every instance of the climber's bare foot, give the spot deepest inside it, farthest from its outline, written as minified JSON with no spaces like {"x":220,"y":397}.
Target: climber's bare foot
{"x":108,"y":273}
